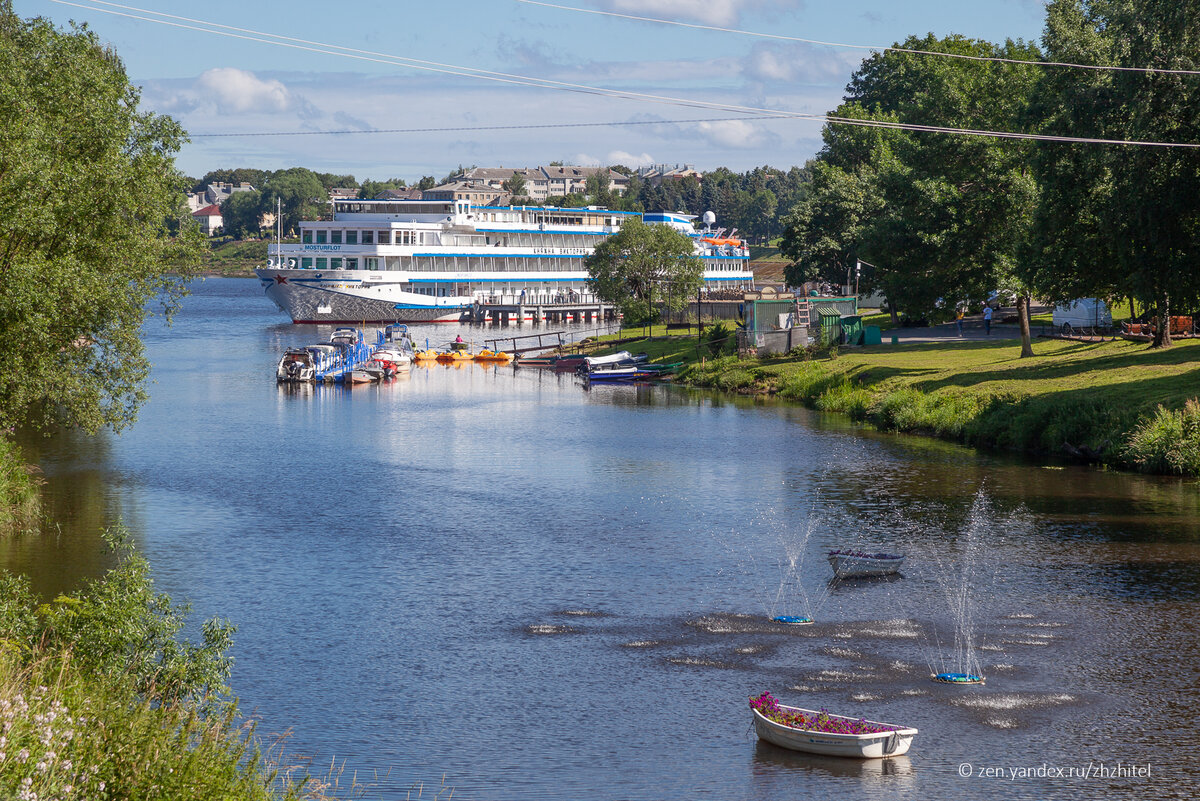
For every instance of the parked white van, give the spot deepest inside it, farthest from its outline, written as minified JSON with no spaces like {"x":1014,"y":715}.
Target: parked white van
{"x":1082,"y":313}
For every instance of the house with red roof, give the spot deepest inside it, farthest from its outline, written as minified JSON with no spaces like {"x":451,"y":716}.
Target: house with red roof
{"x":209,"y":218}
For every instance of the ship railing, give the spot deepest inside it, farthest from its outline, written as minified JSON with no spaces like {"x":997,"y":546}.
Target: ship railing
{"x":538,"y":298}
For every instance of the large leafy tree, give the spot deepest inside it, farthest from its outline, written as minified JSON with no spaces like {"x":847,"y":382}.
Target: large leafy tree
{"x":642,"y":266}
{"x":88,"y":195}
{"x":241,"y":214}
{"x":298,"y":193}
{"x":942,"y":216}
{"x":1120,"y":220}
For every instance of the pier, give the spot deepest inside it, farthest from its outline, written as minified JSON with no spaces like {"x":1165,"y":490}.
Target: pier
{"x":541,"y":308}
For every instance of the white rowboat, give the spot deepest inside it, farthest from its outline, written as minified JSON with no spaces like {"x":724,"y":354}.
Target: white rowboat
{"x":878,"y":745}
{"x":856,"y":564}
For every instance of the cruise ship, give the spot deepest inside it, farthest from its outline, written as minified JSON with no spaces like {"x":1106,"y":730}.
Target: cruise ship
{"x":435,"y":260}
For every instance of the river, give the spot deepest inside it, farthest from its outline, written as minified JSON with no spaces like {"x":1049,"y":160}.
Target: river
{"x":498,"y":582}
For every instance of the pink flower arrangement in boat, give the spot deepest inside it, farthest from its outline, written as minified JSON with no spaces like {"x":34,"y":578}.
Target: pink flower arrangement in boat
{"x":823,"y":722}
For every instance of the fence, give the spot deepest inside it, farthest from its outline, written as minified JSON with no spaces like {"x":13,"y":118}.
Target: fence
{"x":766,"y":343}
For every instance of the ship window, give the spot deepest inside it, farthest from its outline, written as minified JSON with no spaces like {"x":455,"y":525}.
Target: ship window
{"x":335,"y":264}
{"x":335,"y":237}
{"x":306,"y":237}
{"x":351,"y":264}
{"x":352,"y":237}
{"x":372,"y":264}
{"x":384,"y":237}
{"x":368,"y":237}
{"x":322,"y":263}
{"x":306,"y":264}
{"x":320,"y":237}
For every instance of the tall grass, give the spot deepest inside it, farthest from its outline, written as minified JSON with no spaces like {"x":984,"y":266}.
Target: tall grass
{"x":1168,"y":442}
{"x":20,"y":503}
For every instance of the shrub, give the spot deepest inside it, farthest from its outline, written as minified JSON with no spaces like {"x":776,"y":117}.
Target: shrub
{"x":1168,"y":442}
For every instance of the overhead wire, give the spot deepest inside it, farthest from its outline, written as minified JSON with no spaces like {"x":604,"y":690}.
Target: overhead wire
{"x":844,"y":45}
{"x":219,"y":29}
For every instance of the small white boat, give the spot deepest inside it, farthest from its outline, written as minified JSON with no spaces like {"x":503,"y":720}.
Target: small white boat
{"x":856,"y":564}
{"x":295,"y":366}
{"x":894,"y":741}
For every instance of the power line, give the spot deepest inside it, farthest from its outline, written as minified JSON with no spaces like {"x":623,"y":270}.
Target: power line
{"x":878,"y":48}
{"x":546,"y":83}
{"x":455,"y":129}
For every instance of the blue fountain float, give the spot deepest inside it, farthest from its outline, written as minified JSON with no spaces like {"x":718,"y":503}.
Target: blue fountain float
{"x":958,"y":678}
{"x":792,"y":620}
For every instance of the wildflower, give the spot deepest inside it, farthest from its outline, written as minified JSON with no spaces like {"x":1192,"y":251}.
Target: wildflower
{"x":23,"y":754}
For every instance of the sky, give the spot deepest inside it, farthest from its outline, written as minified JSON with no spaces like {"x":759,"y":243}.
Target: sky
{"x":345,"y":95}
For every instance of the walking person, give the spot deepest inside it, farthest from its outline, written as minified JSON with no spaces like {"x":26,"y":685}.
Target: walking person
{"x":987,"y":320}
{"x":958,"y":319}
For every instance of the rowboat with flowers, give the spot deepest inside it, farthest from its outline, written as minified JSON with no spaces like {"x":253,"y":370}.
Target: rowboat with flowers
{"x":857,"y":564}
{"x":819,"y":732}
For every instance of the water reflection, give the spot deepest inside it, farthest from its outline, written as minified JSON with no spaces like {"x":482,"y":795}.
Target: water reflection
{"x":565,"y":563}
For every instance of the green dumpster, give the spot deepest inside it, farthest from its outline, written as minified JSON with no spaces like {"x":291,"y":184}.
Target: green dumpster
{"x":872,"y":335}
{"x":852,"y":329}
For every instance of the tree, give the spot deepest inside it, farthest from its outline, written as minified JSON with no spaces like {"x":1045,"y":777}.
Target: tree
{"x":427,"y":182}
{"x":241,"y":214}
{"x":644,"y":264}
{"x":300,"y":196}
{"x":1120,"y":221}
{"x":87,"y":187}
{"x":515,"y":185}
{"x":373,"y":189}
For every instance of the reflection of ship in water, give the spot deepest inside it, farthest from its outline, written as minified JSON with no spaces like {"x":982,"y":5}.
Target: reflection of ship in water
{"x":773,"y":761}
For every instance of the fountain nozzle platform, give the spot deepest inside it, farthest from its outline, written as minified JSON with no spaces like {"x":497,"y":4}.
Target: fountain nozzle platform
{"x":957,"y":678}
{"x":792,"y":620}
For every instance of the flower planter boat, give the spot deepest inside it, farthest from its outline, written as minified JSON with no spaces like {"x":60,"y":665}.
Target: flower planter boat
{"x":891,"y":741}
{"x":856,"y":564}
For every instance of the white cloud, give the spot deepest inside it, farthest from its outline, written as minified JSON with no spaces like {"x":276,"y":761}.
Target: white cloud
{"x":800,"y":63}
{"x":737,"y":134}
{"x":630,"y":160}
{"x":706,"y":12}
{"x":235,"y":91}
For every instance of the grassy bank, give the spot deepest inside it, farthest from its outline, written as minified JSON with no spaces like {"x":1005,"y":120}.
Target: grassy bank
{"x":99,"y":698}
{"x":236,"y":258}
{"x":1115,"y":402}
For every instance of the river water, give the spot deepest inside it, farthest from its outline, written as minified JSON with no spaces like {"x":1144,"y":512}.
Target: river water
{"x":497,"y":582}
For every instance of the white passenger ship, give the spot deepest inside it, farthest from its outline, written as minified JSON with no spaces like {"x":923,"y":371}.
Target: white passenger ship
{"x":434,"y":260}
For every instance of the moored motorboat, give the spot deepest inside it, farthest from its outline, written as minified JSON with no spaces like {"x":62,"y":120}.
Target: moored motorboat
{"x":819,"y":732}
{"x":296,"y":365}
{"x":857,"y":564}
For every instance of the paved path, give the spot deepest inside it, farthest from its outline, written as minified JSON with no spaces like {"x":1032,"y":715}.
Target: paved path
{"x":972,"y":330}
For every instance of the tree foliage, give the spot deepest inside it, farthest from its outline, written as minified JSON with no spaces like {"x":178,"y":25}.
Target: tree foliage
{"x":644,"y":265}
{"x":300,"y":195}
{"x":1120,"y":221}
{"x":88,"y":196}
{"x":241,"y":214}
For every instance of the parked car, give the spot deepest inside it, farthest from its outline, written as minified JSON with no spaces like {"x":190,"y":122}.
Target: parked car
{"x":1085,"y":313}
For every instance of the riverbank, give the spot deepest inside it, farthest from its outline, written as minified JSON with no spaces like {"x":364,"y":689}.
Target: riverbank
{"x":1117,"y":403}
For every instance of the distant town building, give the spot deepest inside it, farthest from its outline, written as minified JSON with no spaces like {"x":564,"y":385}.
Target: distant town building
{"x":543,"y":182}
{"x":411,"y":193}
{"x":209,"y":218}
{"x":215,"y":193}
{"x":343,"y":193}
{"x":657,"y":173}
{"x":478,"y":194}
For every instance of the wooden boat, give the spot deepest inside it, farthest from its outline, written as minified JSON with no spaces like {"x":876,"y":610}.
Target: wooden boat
{"x":535,"y":361}
{"x":857,"y":564}
{"x":893,"y":741}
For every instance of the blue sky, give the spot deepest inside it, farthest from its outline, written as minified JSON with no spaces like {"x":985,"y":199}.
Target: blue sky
{"x":217,"y":84}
